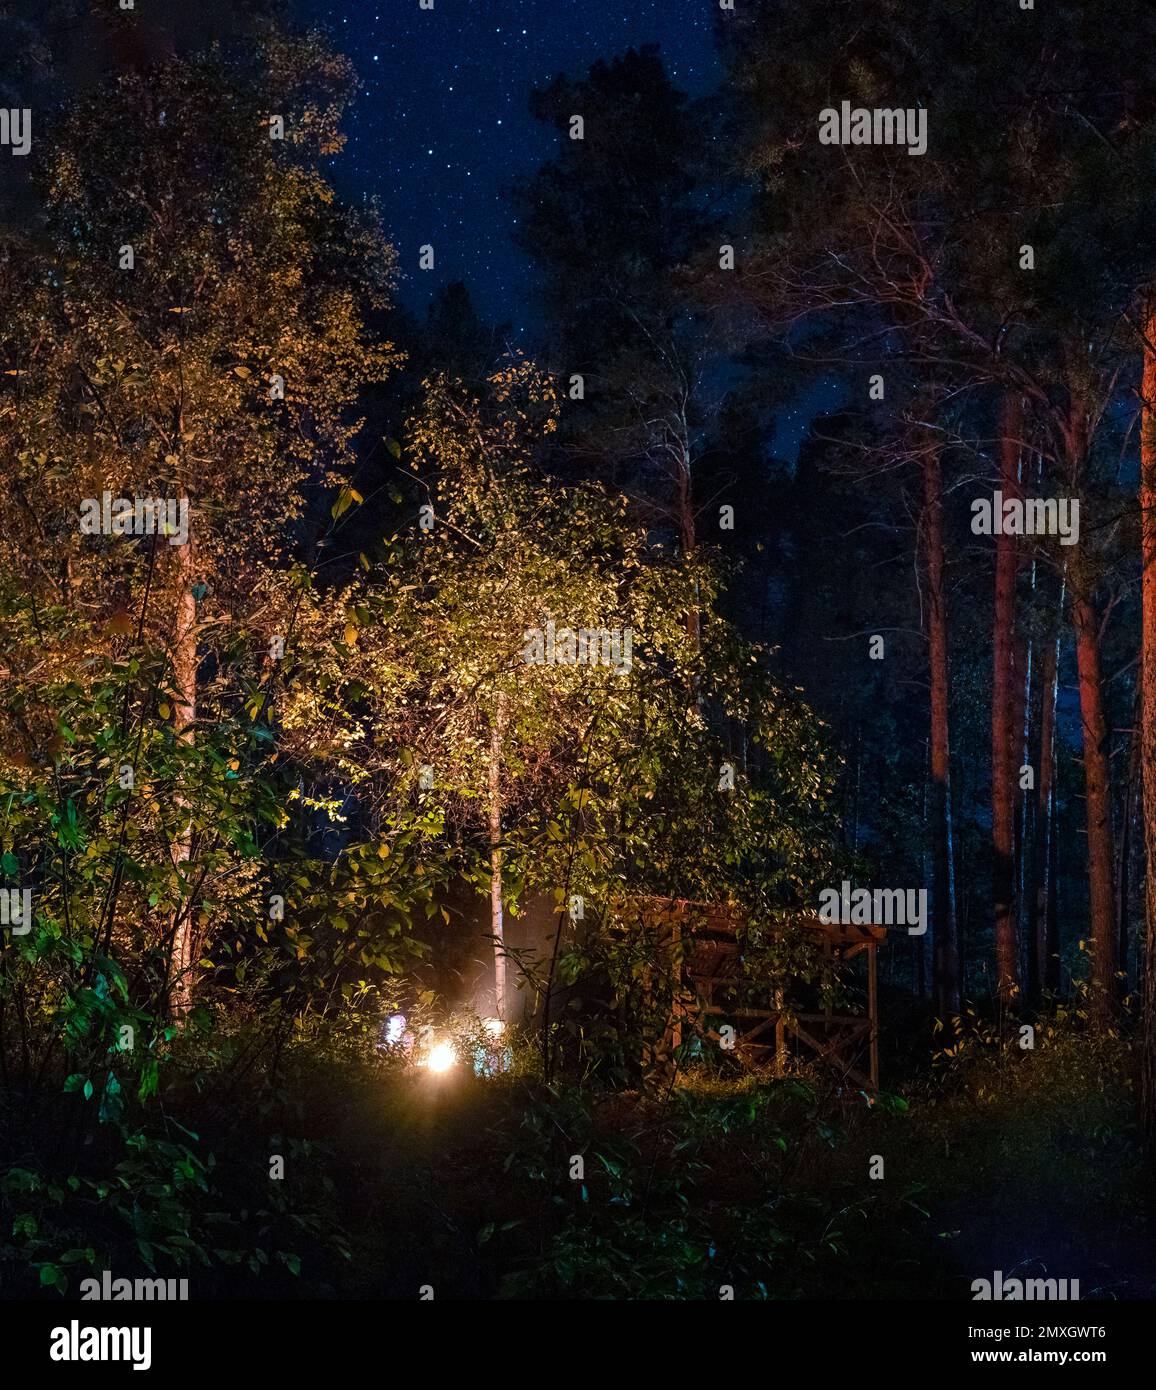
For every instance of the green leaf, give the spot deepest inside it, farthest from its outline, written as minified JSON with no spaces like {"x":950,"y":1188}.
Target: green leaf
{"x":111,"y":1104}
{"x":345,"y":499}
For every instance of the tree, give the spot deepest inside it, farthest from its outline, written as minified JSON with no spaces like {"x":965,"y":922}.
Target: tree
{"x":1003,"y":729}
{"x":189,"y":325}
{"x":612,"y":222}
{"x":1025,"y":291}
{"x":944,"y":923}
{"x":1148,"y":714}
{"x":519,"y":666}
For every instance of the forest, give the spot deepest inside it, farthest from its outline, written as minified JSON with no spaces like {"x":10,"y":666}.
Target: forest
{"x":652,"y":804}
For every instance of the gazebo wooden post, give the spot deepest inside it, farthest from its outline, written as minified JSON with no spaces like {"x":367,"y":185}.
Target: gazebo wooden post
{"x":828,"y":970}
{"x":707,"y":958}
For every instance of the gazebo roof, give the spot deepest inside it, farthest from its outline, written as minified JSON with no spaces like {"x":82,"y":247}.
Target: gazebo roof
{"x":724,"y":919}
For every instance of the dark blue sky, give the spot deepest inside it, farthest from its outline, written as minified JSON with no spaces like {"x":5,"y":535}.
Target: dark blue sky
{"x":443,"y":125}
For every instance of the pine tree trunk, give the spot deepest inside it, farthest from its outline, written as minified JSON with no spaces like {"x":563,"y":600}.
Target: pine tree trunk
{"x":924,"y":945}
{"x":1148,"y":724}
{"x":1052,"y":973}
{"x":1042,"y":943}
{"x":1098,"y":803}
{"x":1003,"y":733}
{"x":1027,"y":835}
{"x":1021,"y":721}
{"x":1125,"y":855}
{"x":943,"y":917}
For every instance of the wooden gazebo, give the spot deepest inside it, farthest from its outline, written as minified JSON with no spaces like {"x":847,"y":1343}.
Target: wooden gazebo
{"x":705,"y":943}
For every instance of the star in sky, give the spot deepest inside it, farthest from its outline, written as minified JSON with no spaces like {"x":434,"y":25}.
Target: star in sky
{"x":442,"y":125}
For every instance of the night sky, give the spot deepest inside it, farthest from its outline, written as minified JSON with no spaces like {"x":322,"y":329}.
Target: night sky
{"x":442,"y":124}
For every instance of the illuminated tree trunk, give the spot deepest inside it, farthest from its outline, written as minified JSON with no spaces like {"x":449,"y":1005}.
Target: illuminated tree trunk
{"x":1098,"y":803}
{"x":497,"y":925}
{"x":1148,"y":721}
{"x":943,"y":919}
{"x":184,"y":658}
{"x":684,"y":502}
{"x":1003,"y":733}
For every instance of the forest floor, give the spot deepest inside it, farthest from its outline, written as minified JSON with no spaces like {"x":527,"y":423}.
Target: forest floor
{"x":1031,"y":1164}
{"x":1042,"y":1184}
{"x":1026,"y":1164}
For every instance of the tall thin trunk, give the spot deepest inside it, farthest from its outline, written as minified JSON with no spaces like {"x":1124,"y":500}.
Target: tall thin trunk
{"x":1098,"y":803}
{"x":1021,"y":719}
{"x":1003,"y":734}
{"x":687,"y":530}
{"x":184,"y":658}
{"x":1148,"y":721}
{"x":920,"y":944}
{"x":1026,"y":836}
{"x":1042,"y":970}
{"x":497,"y":924}
{"x":1025,"y":811}
{"x":943,"y":916}
{"x":1124,"y":857}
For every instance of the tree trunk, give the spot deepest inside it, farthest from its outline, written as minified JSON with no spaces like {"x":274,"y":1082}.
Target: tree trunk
{"x":943,"y":918}
{"x":497,"y":926}
{"x":1124,"y":854}
{"x":1098,"y":803}
{"x":1021,"y":706}
{"x":1003,"y":733}
{"x":1026,"y":831}
{"x":1148,"y":723}
{"x":920,"y":945}
{"x":184,"y":658}
{"x":684,"y":503}
{"x":1043,"y":944}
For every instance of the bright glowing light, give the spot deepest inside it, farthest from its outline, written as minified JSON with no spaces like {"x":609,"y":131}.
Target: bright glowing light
{"x":395,"y":1028}
{"x":494,"y":1026}
{"x":441,"y":1057}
